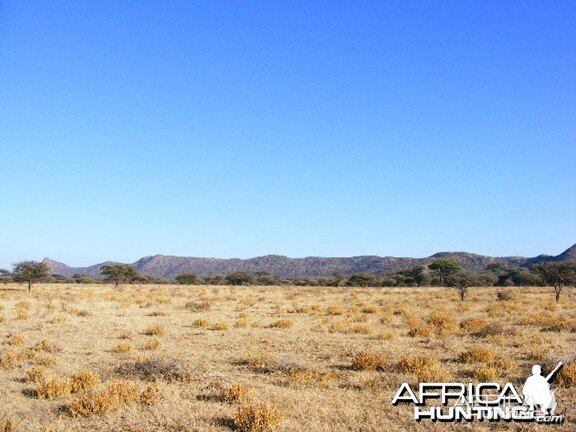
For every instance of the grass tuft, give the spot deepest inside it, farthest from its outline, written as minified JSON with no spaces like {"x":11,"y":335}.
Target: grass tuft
{"x":256,"y":417}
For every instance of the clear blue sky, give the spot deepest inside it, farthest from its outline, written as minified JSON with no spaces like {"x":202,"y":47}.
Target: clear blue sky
{"x":243,"y":128}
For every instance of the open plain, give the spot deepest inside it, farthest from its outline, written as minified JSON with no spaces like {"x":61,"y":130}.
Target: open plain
{"x":217,"y":358}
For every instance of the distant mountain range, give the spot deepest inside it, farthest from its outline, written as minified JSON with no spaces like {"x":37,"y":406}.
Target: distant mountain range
{"x":167,"y":267}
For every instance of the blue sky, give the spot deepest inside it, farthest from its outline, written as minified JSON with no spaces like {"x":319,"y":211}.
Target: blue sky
{"x":238,"y":129}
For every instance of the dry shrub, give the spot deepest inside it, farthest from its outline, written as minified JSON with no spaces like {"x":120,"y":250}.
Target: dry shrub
{"x":473,"y":324}
{"x":150,"y":394}
{"x":443,"y":322}
{"x":493,"y":329}
{"x":154,"y":370}
{"x":478,"y":354}
{"x":53,"y":388}
{"x":385,"y":335}
{"x":339,"y":327}
{"x":538,"y":354}
{"x":199,"y":306}
{"x":155,"y":330}
{"x":36,"y":374}
{"x":370,"y":309}
{"x":242,"y":323}
{"x":125,"y":391}
{"x":15,"y":340}
{"x":123,"y":348}
{"x":359,"y":318}
{"x":505,"y":365}
{"x":11,"y":358}
{"x":374,"y":383}
{"x":361,"y":329}
{"x":58,"y":319}
{"x":46,"y":346}
{"x":220,"y":326}
{"x":126,"y":336}
{"x":282,"y":323}
{"x":260,"y":360}
{"x":23,"y":304}
{"x":151,"y":345}
{"x":72,"y":310}
{"x":117,"y":393}
{"x":385,"y":319}
{"x":234,"y":393}
{"x":2,"y":318}
{"x":23,"y":315}
{"x":426,"y":368}
{"x":567,"y":375}
{"x":303,"y":377}
{"x":368,"y":361}
{"x":84,"y":381}
{"x":44,"y":359}
{"x":256,"y":417}
{"x":200,"y":322}
{"x":487,"y":373}
{"x":9,"y":425}
{"x":335,"y":310}
{"x":420,"y":329}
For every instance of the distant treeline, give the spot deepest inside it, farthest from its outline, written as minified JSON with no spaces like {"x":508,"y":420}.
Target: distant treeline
{"x":441,"y":272}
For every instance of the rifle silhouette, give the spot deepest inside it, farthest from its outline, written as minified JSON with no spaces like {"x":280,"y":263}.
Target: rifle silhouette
{"x":551,"y":374}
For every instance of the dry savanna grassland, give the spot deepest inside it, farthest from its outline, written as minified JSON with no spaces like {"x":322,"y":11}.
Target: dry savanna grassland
{"x":217,"y":358}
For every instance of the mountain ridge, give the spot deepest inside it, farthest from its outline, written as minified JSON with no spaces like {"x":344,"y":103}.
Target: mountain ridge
{"x":169,"y":266}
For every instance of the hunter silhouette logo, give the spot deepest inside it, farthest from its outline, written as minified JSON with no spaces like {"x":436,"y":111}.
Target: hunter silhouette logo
{"x":537,"y":391}
{"x":485,"y":401}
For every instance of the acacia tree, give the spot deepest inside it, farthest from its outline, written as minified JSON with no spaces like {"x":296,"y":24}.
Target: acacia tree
{"x":119,"y":273}
{"x":461,"y":281}
{"x":239,"y":277}
{"x":30,"y":272}
{"x":362,"y":280}
{"x":5,"y":276}
{"x":557,"y":275}
{"x":187,"y":279}
{"x":444,"y":268}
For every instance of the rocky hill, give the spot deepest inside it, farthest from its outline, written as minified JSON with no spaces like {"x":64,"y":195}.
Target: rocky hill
{"x":167,"y":267}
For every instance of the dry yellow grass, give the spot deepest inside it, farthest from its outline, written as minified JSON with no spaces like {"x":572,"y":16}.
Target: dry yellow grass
{"x":325,"y":358}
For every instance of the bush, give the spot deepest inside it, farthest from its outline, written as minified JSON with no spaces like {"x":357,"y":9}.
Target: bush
{"x":426,"y":368}
{"x":487,"y":373}
{"x":117,"y":393}
{"x":478,"y":354}
{"x":567,"y":375}
{"x":154,"y":370}
{"x":233,"y":393}
{"x":53,"y":388}
{"x":36,"y":374}
{"x":367,"y":361}
{"x":123,"y":348}
{"x":155,"y":330}
{"x":256,"y":417}
{"x":84,"y":381}
{"x":9,"y":425}
{"x":283,"y":323}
